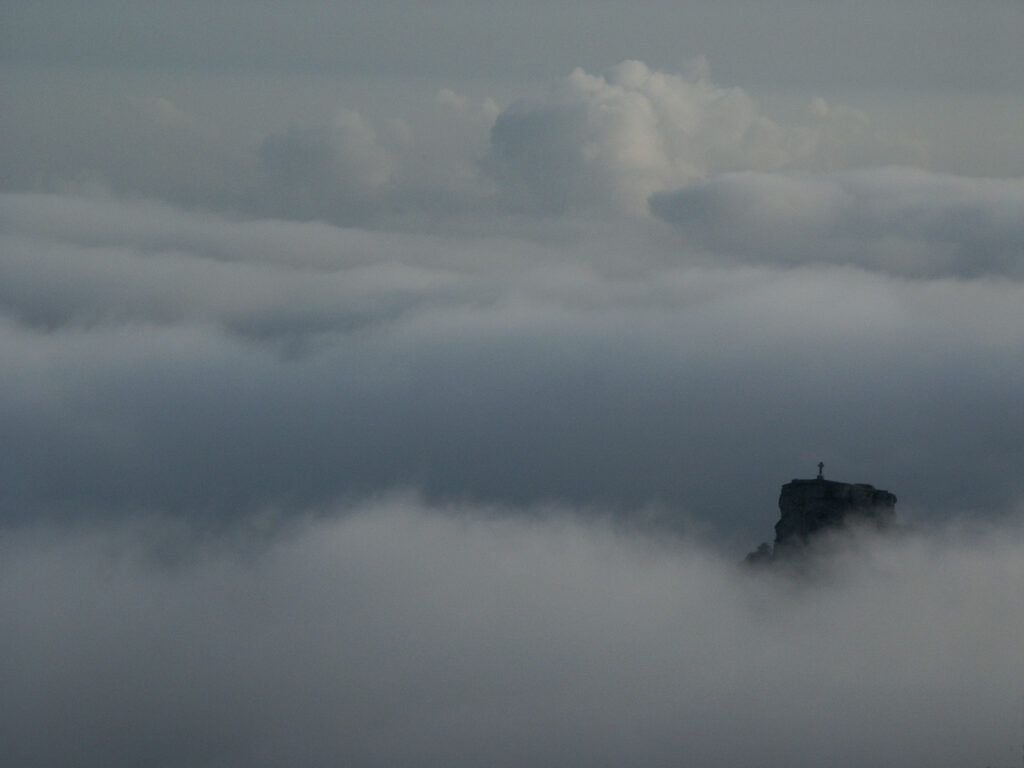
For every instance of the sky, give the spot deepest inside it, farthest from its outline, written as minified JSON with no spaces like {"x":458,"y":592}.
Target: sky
{"x":401,"y":383}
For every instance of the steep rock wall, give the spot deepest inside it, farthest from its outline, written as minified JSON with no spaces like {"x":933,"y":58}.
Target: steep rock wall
{"x":809,"y":507}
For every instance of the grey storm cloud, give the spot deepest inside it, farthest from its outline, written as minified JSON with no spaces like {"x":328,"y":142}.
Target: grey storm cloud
{"x":402,"y":635}
{"x":898,"y":220}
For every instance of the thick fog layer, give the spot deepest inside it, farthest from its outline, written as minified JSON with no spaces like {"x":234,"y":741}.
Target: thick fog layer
{"x":395,"y":635}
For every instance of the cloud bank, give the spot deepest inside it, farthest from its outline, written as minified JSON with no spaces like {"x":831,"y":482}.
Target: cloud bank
{"x":396,"y":635}
{"x":594,"y":143}
{"x":216,"y":369}
{"x":898,"y":220}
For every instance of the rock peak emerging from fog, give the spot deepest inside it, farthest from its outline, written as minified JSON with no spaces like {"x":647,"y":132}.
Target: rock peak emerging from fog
{"x":810,"y":507}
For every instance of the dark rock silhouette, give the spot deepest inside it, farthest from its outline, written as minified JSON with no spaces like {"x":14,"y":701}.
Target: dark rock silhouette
{"x":809,"y":508}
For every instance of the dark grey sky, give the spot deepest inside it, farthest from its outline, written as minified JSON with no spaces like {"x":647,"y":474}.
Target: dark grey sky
{"x":399,"y":383}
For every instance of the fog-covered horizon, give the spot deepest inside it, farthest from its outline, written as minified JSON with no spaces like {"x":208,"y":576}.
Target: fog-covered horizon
{"x":398,"y":634}
{"x":403,"y":383}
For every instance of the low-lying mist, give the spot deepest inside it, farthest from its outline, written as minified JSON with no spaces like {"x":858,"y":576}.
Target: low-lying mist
{"x":403,"y":635}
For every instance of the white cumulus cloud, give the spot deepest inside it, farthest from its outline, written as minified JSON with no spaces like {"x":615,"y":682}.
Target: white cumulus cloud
{"x":615,"y":139}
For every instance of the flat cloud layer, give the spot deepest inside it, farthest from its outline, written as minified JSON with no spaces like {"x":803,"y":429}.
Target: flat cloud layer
{"x":307,"y":362}
{"x":396,"y":635}
{"x":218,"y":368}
{"x":898,"y":220}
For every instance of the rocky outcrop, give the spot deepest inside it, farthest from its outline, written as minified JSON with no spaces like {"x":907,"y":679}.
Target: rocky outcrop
{"x":809,"y":507}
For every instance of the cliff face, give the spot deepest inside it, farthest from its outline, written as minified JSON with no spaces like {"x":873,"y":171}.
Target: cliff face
{"x":808,"y":507}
